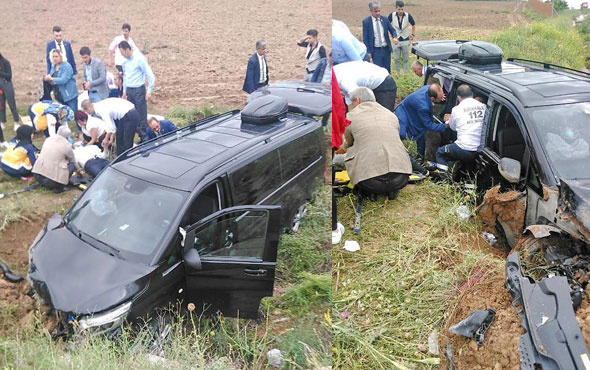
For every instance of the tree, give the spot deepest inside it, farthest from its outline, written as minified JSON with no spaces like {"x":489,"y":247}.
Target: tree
{"x":559,"y":5}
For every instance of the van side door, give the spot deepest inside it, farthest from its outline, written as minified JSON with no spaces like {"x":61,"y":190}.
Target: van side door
{"x":230,"y":259}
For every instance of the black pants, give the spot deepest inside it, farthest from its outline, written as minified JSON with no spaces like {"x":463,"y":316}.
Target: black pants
{"x":126,"y":127}
{"x":7,"y":96}
{"x":384,"y":184}
{"x":385,"y":93}
{"x":136,"y":95}
{"x":48,"y":183}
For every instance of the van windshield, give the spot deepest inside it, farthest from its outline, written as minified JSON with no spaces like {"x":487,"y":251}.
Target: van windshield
{"x":564,"y":132}
{"x":124,"y":215}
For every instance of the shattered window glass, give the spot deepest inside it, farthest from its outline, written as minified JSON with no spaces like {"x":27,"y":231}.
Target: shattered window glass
{"x":564,"y":132}
{"x":126,"y":214}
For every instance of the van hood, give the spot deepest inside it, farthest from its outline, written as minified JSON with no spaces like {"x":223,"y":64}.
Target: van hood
{"x":574,"y":202}
{"x":73,"y":276}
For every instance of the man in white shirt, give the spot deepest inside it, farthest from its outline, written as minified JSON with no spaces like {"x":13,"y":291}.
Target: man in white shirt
{"x":467,"y":119}
{"x":351,"y":75}
{"x":120,"y":116}
{"x":115,"y":53}
{"x":257,"y":69}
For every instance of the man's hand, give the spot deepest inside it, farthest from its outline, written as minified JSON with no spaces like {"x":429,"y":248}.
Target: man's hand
{"x":86,"y":86}
{"x":370,"y":57}
{"x":447,"y":117}
{"x":148,"y":97}
{"x":395,"y":41}
{"x":340,"y":151}
{"x":124,"y":96}
{"x":48,"y":78}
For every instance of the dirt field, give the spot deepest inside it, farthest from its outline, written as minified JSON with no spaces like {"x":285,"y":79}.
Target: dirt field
{"x":436,"y":19}
{"x":198,"y":50}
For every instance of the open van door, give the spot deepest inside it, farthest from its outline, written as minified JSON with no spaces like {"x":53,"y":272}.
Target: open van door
{"x":230,"y":259}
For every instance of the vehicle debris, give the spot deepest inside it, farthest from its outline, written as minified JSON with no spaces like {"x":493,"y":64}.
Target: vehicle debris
{"x":8,"y":275}
{"x":489,"y":238}
{"x":553,"y":339}
{"x":433,"y":343}
{"x":475,"y":325}
{"x":449,"y":353}
{"x":542,"y":231}
{"x":275,"y":357}
{"x":351,"y":246}
{"x":463,"y":212}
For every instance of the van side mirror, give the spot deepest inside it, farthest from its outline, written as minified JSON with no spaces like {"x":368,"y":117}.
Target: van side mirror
{"x":509,"y":169}
{"x":192,"y":259}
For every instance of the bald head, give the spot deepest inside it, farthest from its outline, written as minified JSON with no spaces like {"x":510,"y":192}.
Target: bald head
{"x":436,"y":93}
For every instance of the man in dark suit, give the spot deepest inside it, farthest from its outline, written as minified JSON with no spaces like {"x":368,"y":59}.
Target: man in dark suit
{"x":375,"y":36}
{"x":257,"y":72}
{"x":63,"y":46}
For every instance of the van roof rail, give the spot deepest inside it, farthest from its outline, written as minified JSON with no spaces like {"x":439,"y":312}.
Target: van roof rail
{"x":171,"y":136}
{"x":549,"y":66}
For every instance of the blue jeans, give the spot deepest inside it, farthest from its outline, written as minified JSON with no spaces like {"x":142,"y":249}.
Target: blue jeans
{"x":452,"y":152}
{"x":136,"y":95}
{"x":382,"y":58}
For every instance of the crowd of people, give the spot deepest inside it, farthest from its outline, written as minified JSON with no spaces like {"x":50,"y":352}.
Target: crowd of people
{"x":368,"y":126}
{"x":109,"y":109}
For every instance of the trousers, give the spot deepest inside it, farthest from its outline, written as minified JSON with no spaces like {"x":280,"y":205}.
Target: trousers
{"x":136,"y":95}
{"x":126,"y":127}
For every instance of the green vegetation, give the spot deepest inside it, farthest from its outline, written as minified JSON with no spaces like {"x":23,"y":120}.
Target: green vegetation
{"x":533,"y":15}
{"x":552,"y":40}
{"x":559,"y":5}
{"x":182,"y":116}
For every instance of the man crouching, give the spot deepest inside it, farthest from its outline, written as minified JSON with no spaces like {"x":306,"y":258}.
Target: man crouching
{"x":376,"y":160}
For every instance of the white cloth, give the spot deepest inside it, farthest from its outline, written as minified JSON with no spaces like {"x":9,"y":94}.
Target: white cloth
{"x":351,"y":75}
{"x":95,"y":123}
{"x":111,"y":109}
{"x":85,"y":153}
{"x":404,"y":31}
{"x":378,"y":32}
{"x":114,"y":46}
{"x":262,"y":63}
{"x":111,"y":81}
{"x":467,"y":120}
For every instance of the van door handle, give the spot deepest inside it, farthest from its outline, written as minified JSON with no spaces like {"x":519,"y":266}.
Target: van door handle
{"x":255,"y":272}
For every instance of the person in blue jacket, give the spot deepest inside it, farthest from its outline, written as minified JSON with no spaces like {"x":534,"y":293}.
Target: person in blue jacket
{"x":61,"y":75}
{"x":376,"y":31}
{"x":159,"y":127}
{"x":257,"y":70}
{"x":415,"y":114}
{"x":63,"y":46}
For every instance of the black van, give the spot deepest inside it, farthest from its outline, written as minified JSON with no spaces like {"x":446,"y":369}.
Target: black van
{"x":194,"y":216}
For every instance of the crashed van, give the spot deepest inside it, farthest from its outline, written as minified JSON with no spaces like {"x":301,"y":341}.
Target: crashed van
{"x":193,"y":216}
{"x":536,"y":137}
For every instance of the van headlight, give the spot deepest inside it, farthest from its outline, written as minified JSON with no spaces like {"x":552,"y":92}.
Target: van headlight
{"x":105,"y":321}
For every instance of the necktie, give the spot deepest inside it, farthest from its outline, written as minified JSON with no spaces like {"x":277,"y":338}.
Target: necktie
{"x":379,"y":33}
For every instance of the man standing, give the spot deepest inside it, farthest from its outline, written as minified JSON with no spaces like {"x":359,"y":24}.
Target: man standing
{"x":121,"y":117}
{"x":376,"y":30}
{"x":159,"y":127}
{"x":257,"y":70}
{"x":314,"y":53}
{"x":467,"y":119}
{"x":351,"y":75}
{"x":136,"y":70}
{"x":401,"y":22}
{"x":415,"y":114}
{"x":115,"y":55}
{"x":95,"y":76}
{"x":376,"y":159}
{"x":64,"y":47}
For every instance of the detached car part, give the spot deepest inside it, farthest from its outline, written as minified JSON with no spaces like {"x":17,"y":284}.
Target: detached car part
{"x":553,"y":339}
{"x":475,"y":325}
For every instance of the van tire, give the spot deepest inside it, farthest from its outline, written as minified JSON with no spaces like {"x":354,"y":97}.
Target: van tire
{"x":301,"y":211}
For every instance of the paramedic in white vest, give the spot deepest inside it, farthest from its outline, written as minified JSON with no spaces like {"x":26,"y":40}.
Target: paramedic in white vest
{"x":314,"y":53}
{"x":401,"y":22}
{"x":467,"y":119}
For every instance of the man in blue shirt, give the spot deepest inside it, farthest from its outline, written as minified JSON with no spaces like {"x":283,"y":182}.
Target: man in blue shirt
{"x":415,"y":115}
{"x":159,"y":127}
{"x":135,"y":72}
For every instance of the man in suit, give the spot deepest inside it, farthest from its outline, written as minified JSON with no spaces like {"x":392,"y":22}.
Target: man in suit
{"x":56,"y":162}
{"x":415,"y":115}
{"x":376,"y":30}
{"x":257,"y":71}
{"x":376,"y":159}
{"x":159,"y":127}
{"x":95,"y":76}
{"x":63,"y":46}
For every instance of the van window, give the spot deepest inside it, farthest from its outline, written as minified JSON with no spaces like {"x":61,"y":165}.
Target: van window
{"x":257,"y":179}
{"x":206,"y":203}
{"x":298,"y":154}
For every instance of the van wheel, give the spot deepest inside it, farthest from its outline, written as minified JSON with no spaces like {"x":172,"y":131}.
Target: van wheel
{"x":301,"y":211}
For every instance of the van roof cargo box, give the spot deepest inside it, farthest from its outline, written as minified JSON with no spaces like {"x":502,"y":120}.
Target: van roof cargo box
{"x":480,"y":52}
{"x":307,"y":98}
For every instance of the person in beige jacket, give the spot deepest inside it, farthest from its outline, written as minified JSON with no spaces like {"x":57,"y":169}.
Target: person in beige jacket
{"x":56,"y":162}
{"x":376,"y":160}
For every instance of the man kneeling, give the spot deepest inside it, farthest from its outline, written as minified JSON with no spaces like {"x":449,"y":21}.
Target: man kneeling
{"x":467,"y":119}
{"x":376,"y":160}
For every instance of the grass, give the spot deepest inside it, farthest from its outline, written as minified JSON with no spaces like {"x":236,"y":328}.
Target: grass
{"x":182,"y":116}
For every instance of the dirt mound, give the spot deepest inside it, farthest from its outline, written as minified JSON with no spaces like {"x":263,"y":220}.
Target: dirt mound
{"x":500,"y":349}
{"x":508,"y":209}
